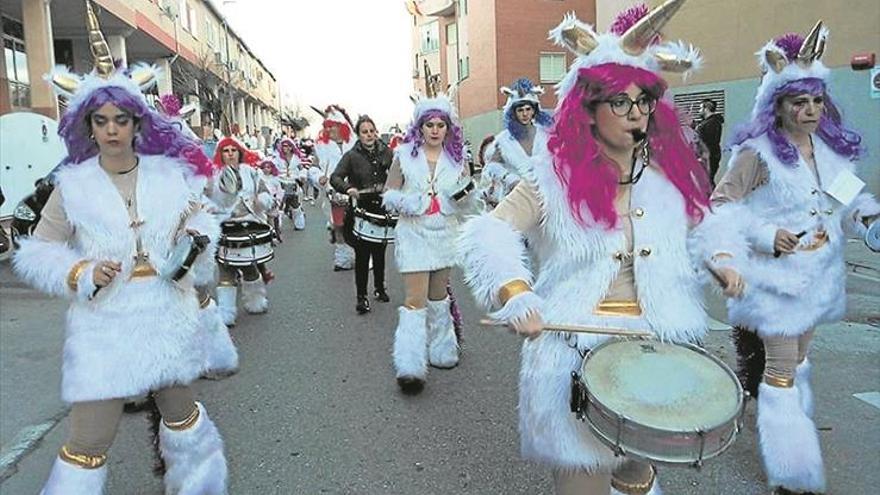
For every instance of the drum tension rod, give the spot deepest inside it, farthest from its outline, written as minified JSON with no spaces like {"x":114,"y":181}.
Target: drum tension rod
{"x":699,"y":462}
{"x":618,"y":450}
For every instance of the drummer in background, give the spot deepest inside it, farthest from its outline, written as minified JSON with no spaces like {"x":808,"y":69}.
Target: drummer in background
{"x":361,"y":174}
{"x":522,"y":143}
{"x":289,"y":164}
{"x":250,"y":203}
{"x":606,"y":209}
{"x":334,"y":140}
{"x":128,"y":190}
{"x":780,"y":184}
{"x":426,"y":187}
{"x":273,"y":184}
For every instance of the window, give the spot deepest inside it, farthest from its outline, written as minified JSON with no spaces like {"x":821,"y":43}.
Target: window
{"x":552,"y":67}
{"x":183,"y":15}
{"x":16,"y":63}
{"x":462,"y":6}
{"x":452,"y":34}
{"x":430,"y":35}
{"x":193,"y":21}
{"x":688,"y":104}
{"x":464,"y":68}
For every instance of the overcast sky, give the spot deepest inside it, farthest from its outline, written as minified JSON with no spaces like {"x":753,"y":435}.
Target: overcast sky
{"x":352,"y":52}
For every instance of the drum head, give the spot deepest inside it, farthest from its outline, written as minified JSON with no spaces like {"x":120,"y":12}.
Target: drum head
{"x":662,"y":386}
{"x":181,"y":253}
{"x":872,"y":237}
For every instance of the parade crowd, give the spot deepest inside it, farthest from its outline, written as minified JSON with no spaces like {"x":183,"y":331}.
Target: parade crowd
{"x":590,"y":230}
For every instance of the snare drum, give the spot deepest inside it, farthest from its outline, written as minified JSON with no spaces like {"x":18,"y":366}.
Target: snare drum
{"x":872,"y":236}
{"x":664,"y":403}
{"x":184,"y":254}
{"x":245,"y":244}
{"x":373,"y":227}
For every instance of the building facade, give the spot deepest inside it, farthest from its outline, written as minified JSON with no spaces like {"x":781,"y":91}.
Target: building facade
{"x":484,"y":44}
{"x":481,"y":45}
{"x":203,"y":60}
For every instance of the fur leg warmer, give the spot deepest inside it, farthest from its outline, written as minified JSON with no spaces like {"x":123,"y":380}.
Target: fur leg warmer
{"x":253,"y":295}
{"x":194,"y":459}
{"x":410,"y":346}
{"x":804,"y":388}
{"x":299,"y":219}
{"x":789,"y":441}
{"x":67,"y":479}
{"x":222,"y":356}
{"x":227,"y":303}
{"x":442,"y":343}
{"x":343,"y":256}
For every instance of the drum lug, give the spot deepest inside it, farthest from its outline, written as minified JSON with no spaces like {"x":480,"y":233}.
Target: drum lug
{"x":699,"y":462}
{"x":578,"y":396}
{"x":618,"y":450}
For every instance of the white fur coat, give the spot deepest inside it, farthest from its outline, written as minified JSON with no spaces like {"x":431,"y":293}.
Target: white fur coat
{"x":425,"y":242}
{"x":576,"y":267}
{"x":790,"y":294}
{"x":138,"y":334}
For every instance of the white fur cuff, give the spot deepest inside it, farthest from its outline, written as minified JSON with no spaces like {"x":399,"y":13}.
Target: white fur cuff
{"x":518,"y":308}
{"x":45,"y":265}
{"x":764,"y":237}
{"x":85,"y":285}
{"x":405,"y":204}
{"x":863,"y":206}
{"x":491,"y":253}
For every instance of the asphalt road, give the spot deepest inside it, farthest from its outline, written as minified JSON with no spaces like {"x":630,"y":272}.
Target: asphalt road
{"x":315,"y":408}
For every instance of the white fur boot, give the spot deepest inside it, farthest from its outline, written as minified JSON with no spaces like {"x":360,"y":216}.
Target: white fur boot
{"x":227,"y":302}
{"x":299,"y":219}
{"x":802,"y":383}
{"x":410,"y":349}
{"x":442,"y":343}
{"x":221,"y":354}
{"x":343,"y":256}
{"x":194,"y":460}
{"x":67,"y":479}
{"x":789,"y":441}
{"x":253,"y":295}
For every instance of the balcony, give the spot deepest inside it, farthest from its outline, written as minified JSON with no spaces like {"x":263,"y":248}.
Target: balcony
{"x":437,"y":8}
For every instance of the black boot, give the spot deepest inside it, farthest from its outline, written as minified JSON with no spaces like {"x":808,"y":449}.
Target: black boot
{"x":381,"y":295}
{"x":363,"y":305}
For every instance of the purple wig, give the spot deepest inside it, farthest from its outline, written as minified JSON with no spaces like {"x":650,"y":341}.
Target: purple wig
{"x":832,"y":131}
{"x":517,"y":130}
{"x":589,"y":177}
{"x":157,"y":136}
{"x":453,"y":144}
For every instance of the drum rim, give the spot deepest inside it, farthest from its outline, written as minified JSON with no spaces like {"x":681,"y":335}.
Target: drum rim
{"x":872,"y":230}
{"x":740,"y":403}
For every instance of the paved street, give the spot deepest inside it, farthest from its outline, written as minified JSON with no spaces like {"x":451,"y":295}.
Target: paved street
{"x":315,"y":408}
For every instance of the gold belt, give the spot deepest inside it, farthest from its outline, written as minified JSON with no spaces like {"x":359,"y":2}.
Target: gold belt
{"x":618,"y":308}
{"x":820,"y":238}
{"x":143,"y":271}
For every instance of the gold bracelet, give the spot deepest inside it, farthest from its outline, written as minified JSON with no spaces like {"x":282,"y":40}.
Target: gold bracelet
{"x":722,"y":255}
{"x":778,"y":381}
{"x":186,"y":423}
{"x":74,"y":274}
{"x":84,"y":461}
{"x":511,"y":289}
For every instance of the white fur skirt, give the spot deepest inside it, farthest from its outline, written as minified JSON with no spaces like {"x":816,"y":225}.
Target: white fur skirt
{"x":425,"y":243}
{"x":139,"y":336}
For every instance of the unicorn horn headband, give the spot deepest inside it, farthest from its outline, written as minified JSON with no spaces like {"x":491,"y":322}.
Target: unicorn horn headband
{"x":67,"y":83}
{"x":582,"y":41}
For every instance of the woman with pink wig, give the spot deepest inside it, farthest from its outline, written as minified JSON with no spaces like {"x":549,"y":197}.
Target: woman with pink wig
{"x":607,"y":209}
{"x":129,"y":189}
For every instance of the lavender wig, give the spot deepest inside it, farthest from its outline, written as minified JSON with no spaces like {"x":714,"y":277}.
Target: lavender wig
{"x":589,"y":178}
{"x":453,"y":144}
{"x":832,"y":131}
{"x":158,"y":135}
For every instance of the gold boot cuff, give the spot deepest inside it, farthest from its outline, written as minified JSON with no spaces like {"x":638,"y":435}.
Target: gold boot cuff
{"x":511,"y":289}
{"x":84,"y":461}
{"x":779,"y":381}
{"x":184,"y":424}
{"x":635,"y":488}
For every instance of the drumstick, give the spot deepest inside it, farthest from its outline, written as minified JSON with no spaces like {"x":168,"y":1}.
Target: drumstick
{"x":557,"y":327}
{"x":716,"y":274}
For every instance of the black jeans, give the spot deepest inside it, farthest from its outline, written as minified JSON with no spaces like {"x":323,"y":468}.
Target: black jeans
{"x":363,"y":251}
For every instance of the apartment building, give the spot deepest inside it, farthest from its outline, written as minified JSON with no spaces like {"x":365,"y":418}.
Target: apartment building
{"x":202,"y":58}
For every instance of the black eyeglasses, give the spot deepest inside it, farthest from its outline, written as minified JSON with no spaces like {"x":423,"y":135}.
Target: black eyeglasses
{"x":622,"y":105}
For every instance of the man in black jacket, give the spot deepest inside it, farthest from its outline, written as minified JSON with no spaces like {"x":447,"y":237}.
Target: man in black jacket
{"x":361,"y":174}
{"x":709,"y":130}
